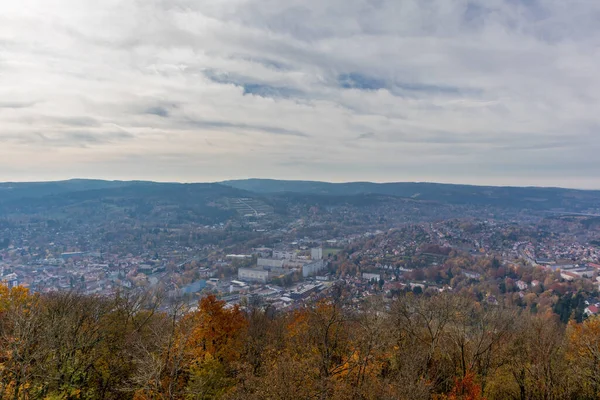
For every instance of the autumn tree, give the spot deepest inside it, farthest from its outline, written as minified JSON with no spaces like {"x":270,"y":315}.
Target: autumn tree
{"x":20,"y":326}
{"x":584,"y":354}
{"x":535,"y":367}
{"x":213,"y":346}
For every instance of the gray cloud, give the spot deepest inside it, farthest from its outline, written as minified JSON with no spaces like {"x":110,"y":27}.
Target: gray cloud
{"x":459,"y":90}
{"x":67,"y":139}
{"x":15,"y":104}
{"x":366,"y":135}
{"x":244,"y":127}
{"x":158,"y":111}
{"x":78,"y":121}
{"x":356,"y":80}
{"x":83,"y":137}
{"x":269,"y":63}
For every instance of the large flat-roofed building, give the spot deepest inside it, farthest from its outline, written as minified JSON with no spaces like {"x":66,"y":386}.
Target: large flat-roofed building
{"x":284,"y":255}
{"x":297,"y":263}
{"x":238,"y":256}
{"x":305,"y":291}
{"x":267,"y":262}
{"x":313,"y":268}
{"x":253,"y":275}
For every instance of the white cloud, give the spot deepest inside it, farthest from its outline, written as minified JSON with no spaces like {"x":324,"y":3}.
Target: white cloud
{"x":495,"y":91}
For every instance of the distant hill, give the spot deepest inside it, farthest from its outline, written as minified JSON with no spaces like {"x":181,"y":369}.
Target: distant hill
{"x":135,"y":199}
{"x":19,"y":190}
{"x":212,"y":201}
{"x":512,"y":197}
{"x":84,"y":188}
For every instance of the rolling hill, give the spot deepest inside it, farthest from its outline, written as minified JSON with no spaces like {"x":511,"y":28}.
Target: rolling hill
{"x":551,"y":199}
{"x":213,"y":201}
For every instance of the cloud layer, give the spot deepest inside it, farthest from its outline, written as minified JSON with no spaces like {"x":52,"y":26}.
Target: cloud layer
{"x":488,"y":92}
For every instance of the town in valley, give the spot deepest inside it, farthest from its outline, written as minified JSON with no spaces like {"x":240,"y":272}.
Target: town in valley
{"x":285,"y":249}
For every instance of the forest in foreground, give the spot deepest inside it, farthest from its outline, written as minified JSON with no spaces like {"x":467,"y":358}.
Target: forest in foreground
{"x":441,"y":346}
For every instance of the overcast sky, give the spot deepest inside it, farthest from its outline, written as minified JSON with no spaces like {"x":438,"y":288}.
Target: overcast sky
{"x":486,"y":91}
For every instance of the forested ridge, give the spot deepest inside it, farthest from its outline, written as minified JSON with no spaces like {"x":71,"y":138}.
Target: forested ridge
{"x":430,"y":346}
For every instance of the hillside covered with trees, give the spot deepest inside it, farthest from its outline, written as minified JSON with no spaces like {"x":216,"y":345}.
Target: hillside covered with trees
{"x":430,"y":346}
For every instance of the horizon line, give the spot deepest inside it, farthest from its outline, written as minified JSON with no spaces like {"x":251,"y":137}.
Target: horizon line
{"x":183,"y":182}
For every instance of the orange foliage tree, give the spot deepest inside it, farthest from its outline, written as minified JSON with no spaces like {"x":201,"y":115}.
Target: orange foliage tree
{"x":199,"y":359}
{"x":465,"y":388}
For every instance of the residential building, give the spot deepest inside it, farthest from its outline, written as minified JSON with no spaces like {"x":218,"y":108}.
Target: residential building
{"x":369,"y":276}
{"x":313,"y":268}
{"x":316,"y":253}
{"x":267,"y":262}
{"x":11,"y":280}
{"x":284,"y":255}
{"x":253,"y":275}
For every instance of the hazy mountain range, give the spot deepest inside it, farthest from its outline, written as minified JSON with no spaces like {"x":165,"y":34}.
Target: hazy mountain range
{"x":523,"y":197}
{"x":39,"y":197}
